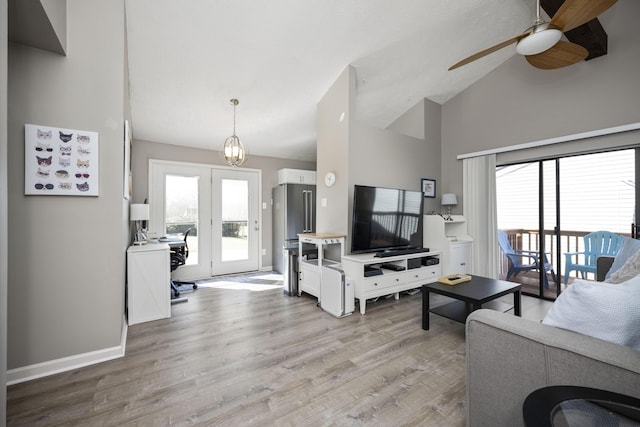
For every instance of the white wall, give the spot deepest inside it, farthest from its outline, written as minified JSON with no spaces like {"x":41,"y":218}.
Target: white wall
{"x":517,"y":103}
{"x":67,"y":258}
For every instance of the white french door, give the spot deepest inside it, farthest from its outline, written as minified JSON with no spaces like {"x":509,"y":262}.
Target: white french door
{"x":219,"y":205}
{"x":236,"y":222}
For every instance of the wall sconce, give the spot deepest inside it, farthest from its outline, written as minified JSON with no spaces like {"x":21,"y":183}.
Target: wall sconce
{"x":448,"y":200}
{"x":139,"y":213}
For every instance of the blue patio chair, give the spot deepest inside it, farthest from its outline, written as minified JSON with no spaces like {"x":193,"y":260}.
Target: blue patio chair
{"x":521,"y":260}
{"x":596,"y":244}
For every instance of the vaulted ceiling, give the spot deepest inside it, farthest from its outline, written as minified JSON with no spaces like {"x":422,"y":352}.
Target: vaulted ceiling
{"x":279,"y":57}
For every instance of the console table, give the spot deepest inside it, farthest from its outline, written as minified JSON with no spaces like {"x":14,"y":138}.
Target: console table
{"x":374,"y":277}
{"x":148,"y":280}
{"x":310,"y":270}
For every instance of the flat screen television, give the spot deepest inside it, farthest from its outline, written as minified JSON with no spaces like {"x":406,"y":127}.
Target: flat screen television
{"x":386,"y":219}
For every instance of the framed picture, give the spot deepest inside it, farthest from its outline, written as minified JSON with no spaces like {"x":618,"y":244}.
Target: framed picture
{"x":60,"y":161}
{"x":127,"y":161}
{"x":429,"y":187}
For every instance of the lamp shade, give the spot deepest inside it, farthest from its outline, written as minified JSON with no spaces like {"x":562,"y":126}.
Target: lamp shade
{"x":449,"y":199}
{"x":139,"y":212}
{"x":539,"y":41}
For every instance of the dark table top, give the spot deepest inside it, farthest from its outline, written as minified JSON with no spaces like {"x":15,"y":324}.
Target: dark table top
{"x":478,"y":289}
{"x":561,"y":404}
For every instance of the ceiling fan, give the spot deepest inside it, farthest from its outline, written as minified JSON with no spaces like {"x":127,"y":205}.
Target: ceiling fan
{"x":541,"y":45}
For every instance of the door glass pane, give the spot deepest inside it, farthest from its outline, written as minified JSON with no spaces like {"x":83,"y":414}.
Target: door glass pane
{"x":518,"y":217}
{"x":235,"y":219}
{"x":597,"y":192}
{"x":181,"y":211}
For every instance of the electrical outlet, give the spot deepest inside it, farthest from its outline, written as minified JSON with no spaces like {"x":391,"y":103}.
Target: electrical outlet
{"x":264,"y":251}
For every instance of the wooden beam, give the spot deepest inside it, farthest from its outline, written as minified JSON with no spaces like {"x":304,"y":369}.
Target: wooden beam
{"x":591,"y":35}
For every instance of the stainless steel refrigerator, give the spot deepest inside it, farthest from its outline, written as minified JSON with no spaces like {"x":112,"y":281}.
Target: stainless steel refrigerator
{"x":294,"y":212}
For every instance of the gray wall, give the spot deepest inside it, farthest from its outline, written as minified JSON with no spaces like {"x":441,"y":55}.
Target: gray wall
{"x":67,"y":262}
{"x":3,"y":211}
{"x":143,"y":151}
{"x":333,"y":153}
{"x":376,"y":157}
{"x":517,"y":103}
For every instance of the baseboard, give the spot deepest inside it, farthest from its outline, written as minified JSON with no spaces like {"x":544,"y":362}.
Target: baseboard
{"x":267,"y":268}
{"x":43,"y":369}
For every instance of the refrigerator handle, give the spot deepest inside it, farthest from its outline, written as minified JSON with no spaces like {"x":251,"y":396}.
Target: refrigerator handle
{"x":306,"y":207}
{"x":311,"y":210}
{"x":308,"y":211}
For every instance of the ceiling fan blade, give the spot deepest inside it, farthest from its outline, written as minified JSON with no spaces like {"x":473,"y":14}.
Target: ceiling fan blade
{"x":487,"y":51}
{"x":560,"y":55}
{"x":574,"y":13}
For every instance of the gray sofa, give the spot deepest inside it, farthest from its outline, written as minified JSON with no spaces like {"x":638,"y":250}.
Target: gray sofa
{"x":509,"y":357}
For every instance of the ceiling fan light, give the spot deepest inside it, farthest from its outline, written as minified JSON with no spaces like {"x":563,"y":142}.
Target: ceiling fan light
{"x":538,"y":42}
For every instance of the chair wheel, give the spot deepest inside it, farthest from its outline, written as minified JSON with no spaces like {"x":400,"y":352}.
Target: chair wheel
{"x":195,"y":286}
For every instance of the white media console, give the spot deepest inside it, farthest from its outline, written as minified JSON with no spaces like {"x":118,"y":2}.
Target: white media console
{"x":377,"y":276}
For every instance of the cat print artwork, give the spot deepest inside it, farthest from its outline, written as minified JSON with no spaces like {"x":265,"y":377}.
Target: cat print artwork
{"x":65,"y":137}
{"x":44,"y":161}
{"x":44,"y":136}
{"x":60,"y":161}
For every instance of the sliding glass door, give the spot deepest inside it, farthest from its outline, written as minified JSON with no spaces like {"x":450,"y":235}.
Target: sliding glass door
{"x":546,"y":207}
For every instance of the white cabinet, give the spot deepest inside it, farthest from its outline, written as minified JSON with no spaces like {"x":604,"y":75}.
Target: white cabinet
{"x":148,"y":286}
{"x":460,"y":257}
{"x":374,"y":276}
{"x":310,"y":270}
{"x":296,"y":176}
{"x":450,"y":238}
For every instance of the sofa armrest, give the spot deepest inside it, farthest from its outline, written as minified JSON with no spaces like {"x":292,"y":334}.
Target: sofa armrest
{"x":509,"y":357}
{"x":603,"y":264}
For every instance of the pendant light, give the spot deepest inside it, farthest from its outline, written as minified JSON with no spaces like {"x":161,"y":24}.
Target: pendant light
{"x":233,"y":151}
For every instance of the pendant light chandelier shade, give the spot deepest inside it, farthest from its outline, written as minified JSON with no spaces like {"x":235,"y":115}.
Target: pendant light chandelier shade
{"x":233,"y":151}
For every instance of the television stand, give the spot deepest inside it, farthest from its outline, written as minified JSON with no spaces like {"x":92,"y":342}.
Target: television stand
{"x":390,"y":281}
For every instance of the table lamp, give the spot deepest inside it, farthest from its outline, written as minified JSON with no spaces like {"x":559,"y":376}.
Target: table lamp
{"x":139,"y":213}
{"x":448,"y":200}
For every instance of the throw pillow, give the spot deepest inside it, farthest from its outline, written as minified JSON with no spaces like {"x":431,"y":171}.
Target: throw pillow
{"x":607,"y":311}
{"x":629,"y":270}
{"x":628,"y":248}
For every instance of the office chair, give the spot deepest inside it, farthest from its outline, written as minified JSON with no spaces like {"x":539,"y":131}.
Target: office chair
{"x":179,"y":255}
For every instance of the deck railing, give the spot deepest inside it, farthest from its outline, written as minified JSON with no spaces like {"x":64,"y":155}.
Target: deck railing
{"x":525,"y":239}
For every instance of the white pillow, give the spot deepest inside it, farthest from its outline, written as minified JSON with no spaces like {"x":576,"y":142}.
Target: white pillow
{"x":602,"y":310}
{"x":628,"y":248}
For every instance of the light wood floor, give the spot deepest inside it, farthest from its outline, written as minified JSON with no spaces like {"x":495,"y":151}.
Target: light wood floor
{"x":240,"y":357}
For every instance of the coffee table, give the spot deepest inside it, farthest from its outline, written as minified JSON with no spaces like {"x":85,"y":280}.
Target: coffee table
{"x":479,"y":292}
